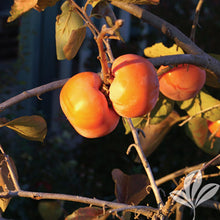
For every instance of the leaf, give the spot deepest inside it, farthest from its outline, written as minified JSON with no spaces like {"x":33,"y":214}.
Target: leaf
{"x":130,"y":189}
{"x":180,"y":197}
{"x":29,"y":127}
{"x":212,"y":146}
{"x":210,"y":190}
{"x":155,"y":133}
{"x":74,"y":43}
{"x":140,"y":2}
{"x":20,"y":7}
{"x":6,"y":182}
{"x":42,"y":4}
{"x":212,"y":80}
{"x":159,"y":49}
{"x":102,"y":9}
{"x":138,"y":122}
{"x":87,"y":213}
{"x":163,"y":108}
{"x":66,"y":22}
{"x":201,"y":102}
{"x":198,"y":131}
{"x":50,"y":210}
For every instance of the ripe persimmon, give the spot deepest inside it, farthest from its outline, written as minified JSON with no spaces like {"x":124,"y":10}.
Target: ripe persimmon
{"x":135,"y":87}
{"x":86,"y":107}
{"x":214,"y":127}
{"x":182,"y":82}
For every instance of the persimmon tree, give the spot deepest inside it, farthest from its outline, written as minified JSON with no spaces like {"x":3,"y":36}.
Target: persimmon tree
{"x":148,"y":126}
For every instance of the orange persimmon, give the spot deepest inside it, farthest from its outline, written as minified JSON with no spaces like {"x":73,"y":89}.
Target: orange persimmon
{"x":135,"y":88}
{"x":86,"y":107}
{"x":182,"y":82}
{"x":214,"y":127}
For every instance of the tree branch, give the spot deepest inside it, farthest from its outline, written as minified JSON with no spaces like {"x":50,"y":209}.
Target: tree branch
{"x":196,"y":20}
{"x":144,"y":162}
{"x":170,"y":31}
{"x":31,"y":93}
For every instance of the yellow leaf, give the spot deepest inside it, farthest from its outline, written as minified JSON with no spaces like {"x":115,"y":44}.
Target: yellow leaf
{"x":29,"y":127}
{"x":19,"y":7}
{"x":159,"y":49}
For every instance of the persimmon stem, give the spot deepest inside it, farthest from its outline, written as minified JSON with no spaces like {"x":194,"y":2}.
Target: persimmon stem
{"x":145,"y":163}
{"x":106,"y":72}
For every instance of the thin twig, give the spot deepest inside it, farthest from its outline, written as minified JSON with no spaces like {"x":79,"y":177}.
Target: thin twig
{"x":196,"y":20}
{"x":178,"y":173}
{"x":31,"y":93}
{"x":145,"y":163}
{"x":206,"y":165}
{"x":199,"y":113}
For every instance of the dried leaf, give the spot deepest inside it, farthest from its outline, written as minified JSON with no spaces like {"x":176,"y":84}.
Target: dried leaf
{"x":201,"y":102}
{"x":87,"y":213}
{"x":130,"y":189}
{"x":66,"y":22}
{"x":159,"y":49}
{"x":155,"y":133}
{"x":6,"y":182}
{"x":42,"y":4}
{"x":74,"y":43}
{"x":29,"y":127}
{"x":50,"y":210}
{"x":19,"y":7}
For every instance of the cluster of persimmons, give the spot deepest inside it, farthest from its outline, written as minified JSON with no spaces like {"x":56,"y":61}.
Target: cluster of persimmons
{"x":133,"y":92}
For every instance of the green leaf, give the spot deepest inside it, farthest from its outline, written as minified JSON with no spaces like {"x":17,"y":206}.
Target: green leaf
{"x":162,"y":109}
{"x":87,"y":213}
{"x":198,"y":130}
{"x":212,"y":146}
{"x":200,"y":103}
{"x":42,"y":4}
{"x":50,"y":210}
{"x":66,"y":22}
{"x":6,"y":182}
{"x":29,"y":127}
{"x":138,"y":122}
{"x":20,"y":7}
{"x":74,"y":43}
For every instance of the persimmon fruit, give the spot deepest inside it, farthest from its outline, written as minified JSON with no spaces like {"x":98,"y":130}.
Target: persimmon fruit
{"x":182,"y":82}
{"x":135,"y":87}
{"x":86,"y":107}
{"x":214,"y":127}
